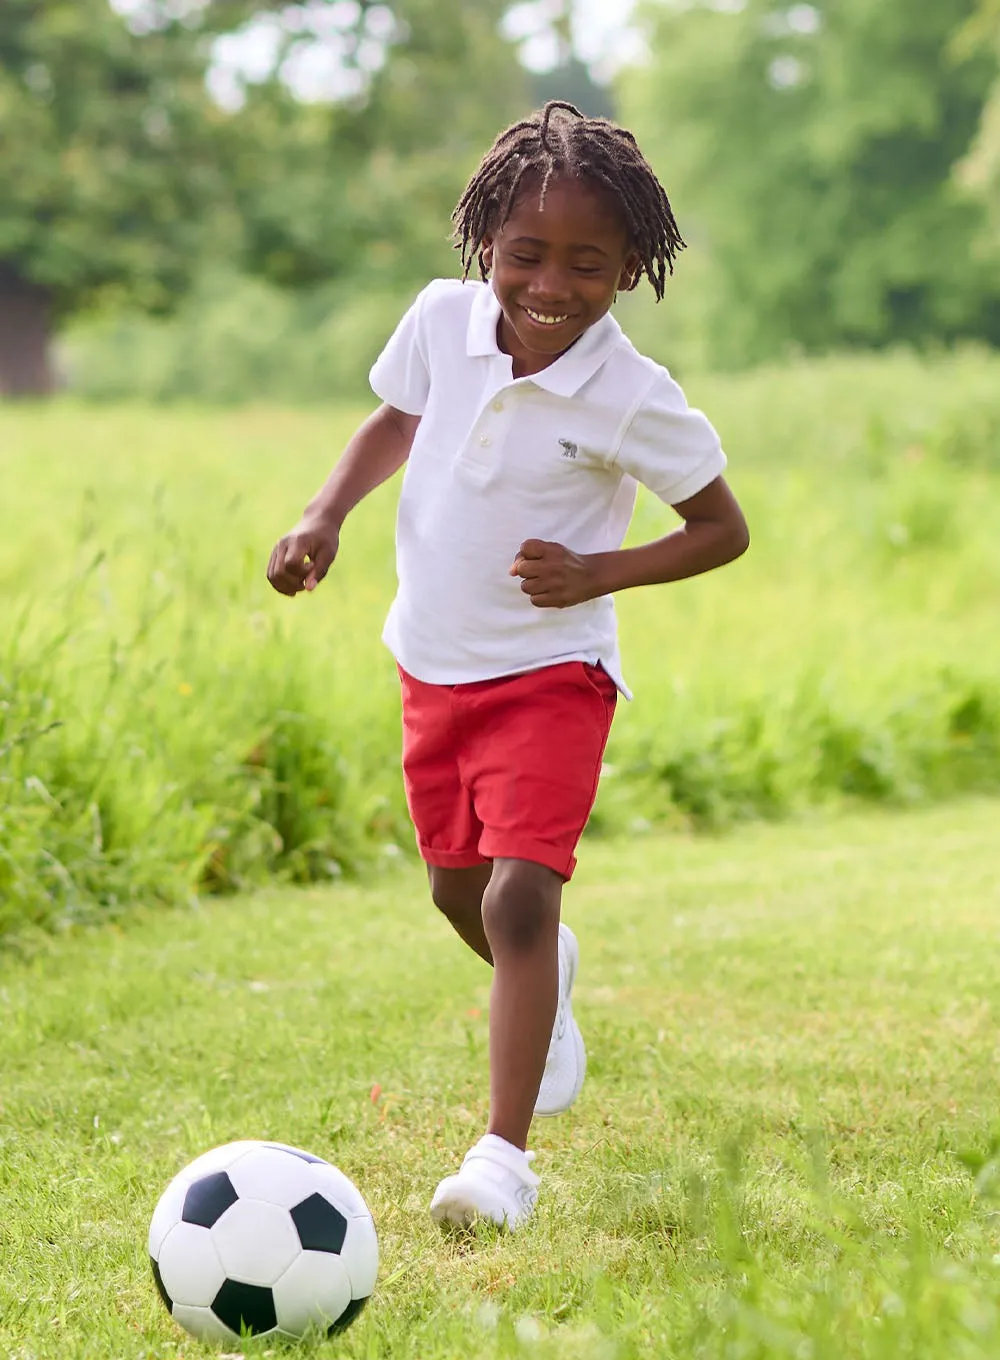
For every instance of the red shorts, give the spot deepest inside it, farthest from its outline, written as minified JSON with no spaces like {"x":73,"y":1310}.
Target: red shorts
{"x":508,"y":768}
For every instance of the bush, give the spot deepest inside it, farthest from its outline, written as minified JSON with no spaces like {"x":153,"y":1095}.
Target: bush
{"x":235,"y":339}
{"x":170,"y":727}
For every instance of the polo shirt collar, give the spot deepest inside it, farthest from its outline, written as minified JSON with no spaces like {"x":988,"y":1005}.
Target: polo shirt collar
{"x":570,"y":371}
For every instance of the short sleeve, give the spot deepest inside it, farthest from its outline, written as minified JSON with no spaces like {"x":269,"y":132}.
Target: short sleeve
{"x":400,"y":375}
{"x":670,"y":447}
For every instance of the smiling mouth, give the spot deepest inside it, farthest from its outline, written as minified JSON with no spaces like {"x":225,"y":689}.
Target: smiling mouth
{"x":543,"y":319}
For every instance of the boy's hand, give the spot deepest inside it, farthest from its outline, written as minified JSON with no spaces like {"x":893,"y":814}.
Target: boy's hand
{"x":553,"y":577}
{"x":302,"y":558}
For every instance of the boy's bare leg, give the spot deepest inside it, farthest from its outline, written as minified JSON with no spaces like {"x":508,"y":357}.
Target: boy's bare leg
{"x":458,"y":893}
{"x":520,"y":916}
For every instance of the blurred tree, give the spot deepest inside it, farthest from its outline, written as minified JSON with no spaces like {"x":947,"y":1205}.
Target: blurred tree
{"x":110,"y":164}
{"x":809,"y":148}
{"x":337,"y":148}
{"x":547,"y":33}
{"x":571,"y":80}
{"x":362,"y":188}
{"x":980,"y":170}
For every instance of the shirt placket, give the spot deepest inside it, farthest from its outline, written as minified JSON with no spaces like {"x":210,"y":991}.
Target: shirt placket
{"x":482,"y":449}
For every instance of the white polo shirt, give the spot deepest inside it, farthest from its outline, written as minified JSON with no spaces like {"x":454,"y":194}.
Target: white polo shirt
{"x":497,"y":460}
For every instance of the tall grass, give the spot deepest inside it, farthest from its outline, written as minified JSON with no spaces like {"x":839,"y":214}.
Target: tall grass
{"x":168,"y":726}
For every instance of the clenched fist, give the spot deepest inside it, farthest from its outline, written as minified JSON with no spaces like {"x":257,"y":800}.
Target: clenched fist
{"x":552,"y":576}
{"x":302,"y":558}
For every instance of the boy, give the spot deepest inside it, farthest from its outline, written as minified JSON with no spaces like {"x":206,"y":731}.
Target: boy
{"x":525,"y":420}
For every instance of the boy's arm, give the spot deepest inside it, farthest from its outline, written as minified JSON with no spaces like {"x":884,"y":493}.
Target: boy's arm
{"x":378,"y":449}
{"x":714,"y":532}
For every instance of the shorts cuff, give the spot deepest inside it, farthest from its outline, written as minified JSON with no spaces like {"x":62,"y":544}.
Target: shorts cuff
{"x":554,"y":857}
{"x":451,"y":859}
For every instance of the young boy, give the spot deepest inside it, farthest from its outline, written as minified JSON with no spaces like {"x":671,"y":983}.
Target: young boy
{"x":525,"y":419}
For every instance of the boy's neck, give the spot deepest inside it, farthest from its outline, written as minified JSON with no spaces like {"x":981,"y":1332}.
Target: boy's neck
{"x":524,"y":363}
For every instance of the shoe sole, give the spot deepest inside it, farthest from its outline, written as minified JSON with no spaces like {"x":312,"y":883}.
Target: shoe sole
{"x":458,"y":1211}
{"x":581,"y":1069}
{"x":458,"y":1208}
{"x":573,"y":955}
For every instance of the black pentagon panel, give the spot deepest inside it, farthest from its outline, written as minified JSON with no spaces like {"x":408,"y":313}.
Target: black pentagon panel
{"x":295,"y":1152}
{"x":321,"y":1227}
{"x":347,"y":1316}
{"x":245,"y":1307}
{"x":159,"y":1285}
{"x":208,"y":1199}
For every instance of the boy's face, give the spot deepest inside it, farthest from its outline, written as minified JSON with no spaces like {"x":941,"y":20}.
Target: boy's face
{"x":556,"y":270}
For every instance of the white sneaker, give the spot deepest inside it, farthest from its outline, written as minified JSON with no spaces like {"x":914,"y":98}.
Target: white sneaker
{"x":566,"y":1064}
{"x":495,"y":1182}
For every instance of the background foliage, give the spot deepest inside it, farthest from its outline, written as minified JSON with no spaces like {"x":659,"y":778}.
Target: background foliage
{"x":834,"y":167}
{"x":209,"y":227}
{"x":811,"y":149}
{"x":129,"y":181}
{"x":170,"y":726}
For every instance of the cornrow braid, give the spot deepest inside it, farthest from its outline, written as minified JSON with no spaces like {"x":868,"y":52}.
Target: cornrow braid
{"x":580,"y":147}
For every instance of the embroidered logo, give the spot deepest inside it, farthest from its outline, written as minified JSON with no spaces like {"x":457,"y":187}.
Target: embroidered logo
{"x":569,"y":448}
{"x":526,"y":1196}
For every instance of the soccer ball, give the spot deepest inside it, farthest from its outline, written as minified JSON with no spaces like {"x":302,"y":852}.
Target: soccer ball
{"x":262,"y":1238}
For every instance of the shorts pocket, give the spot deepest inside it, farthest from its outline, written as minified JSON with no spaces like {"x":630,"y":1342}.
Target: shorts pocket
{"x":600,"y":681}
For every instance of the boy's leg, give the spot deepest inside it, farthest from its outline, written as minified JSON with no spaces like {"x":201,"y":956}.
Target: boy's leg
{"x":521,"y":921}
{"x":508,"y":912}
{"x":532,"y":752}
{"x":520,"y":914}
{"x":458,"y":894}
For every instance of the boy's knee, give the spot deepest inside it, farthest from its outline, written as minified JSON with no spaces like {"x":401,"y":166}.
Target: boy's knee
{"x":521,"y":906}
{"x":442,"y":891}
{"x":457,"y":892}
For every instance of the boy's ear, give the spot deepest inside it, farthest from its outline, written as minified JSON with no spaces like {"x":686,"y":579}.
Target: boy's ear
{"x":631,"y":272}
{"x":486,"y":254}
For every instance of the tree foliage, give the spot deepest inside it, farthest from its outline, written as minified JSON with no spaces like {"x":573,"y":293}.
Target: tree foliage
{"x":810,"y":150}
{"x":112,"y":155}
{"x":122,"y":175}
{"x":833,"y":164}
{"x":980,"y":170}
{"x":365,"y":187}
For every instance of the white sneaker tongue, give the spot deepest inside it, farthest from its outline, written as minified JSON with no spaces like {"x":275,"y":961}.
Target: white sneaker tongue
{"x":500,"y":1150}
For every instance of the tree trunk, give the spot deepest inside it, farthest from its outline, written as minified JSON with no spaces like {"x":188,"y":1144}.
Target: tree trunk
{"x":25,"y":333}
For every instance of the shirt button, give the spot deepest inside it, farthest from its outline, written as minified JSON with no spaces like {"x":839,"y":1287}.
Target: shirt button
{"x":498,"y":405}
{"x":484,"y":440}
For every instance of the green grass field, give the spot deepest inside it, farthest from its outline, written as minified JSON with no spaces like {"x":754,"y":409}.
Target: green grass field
{"x":785,"y":1149}
{"x":792,"y":1038}
{"x":170,"y":727}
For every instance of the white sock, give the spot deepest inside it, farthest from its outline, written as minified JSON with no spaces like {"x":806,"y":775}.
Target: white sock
{"x":509,"y":1151}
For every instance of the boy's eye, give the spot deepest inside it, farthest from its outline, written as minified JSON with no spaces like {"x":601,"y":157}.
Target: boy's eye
{"x":588,"y":269}
{"x":525,"y":259}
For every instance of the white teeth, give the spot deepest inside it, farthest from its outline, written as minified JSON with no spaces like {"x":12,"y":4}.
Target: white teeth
{"x":546,"y":320}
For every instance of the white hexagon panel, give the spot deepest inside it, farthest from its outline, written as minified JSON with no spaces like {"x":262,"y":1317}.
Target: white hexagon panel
{"x":203,"y":1322}
{"x":315,"y":1291}
{"x":360,"y":1255}
{"x":217,"y":1159}
{"x":256,"y":1242}
{"x":189,"y":1267}
{"x":271,"y":1174}
{"x":166,"y":1214}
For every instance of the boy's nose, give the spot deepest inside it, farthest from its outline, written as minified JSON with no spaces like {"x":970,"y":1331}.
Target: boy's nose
{"x":550,"y":286}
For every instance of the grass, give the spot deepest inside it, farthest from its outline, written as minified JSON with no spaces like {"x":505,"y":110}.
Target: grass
{"x":792,"y":1035}
{"x":169,"y":727}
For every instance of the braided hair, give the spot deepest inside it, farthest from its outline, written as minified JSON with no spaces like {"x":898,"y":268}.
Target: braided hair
{"x":582,"y":148}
